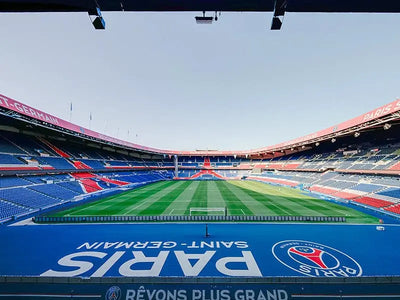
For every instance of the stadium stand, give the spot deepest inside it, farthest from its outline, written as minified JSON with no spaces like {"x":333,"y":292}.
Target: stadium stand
{"x":8,"y":159}
{"x":392,"y":192}
{"x":48,"y":165}
{"x":27,"y":197}
{"x":24,"y":194}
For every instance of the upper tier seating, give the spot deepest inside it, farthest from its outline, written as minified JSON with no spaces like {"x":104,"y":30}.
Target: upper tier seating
{"x":7,"y":146}
{"x":94,"y":164}
{"x":56,"y":162}
{"x":8,"y":159}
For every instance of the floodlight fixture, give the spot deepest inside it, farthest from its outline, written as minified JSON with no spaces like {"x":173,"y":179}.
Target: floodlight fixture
{"x":387,"y":126}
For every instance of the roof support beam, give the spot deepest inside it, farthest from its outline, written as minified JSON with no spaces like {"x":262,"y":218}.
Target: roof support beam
{"x":279,"y":13}
{"x":96,"y":17}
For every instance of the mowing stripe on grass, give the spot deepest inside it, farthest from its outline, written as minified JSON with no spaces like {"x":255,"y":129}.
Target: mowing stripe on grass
{"x":199,"y":198}
{"x":288,"y":200}
{"x":104,"y":207}
{"x":181,"y":203}
{"x":257,"y":207}
{"x":133,"y":197}
{"x":160,"y":205}
{"x":320,"y":207}
{"x":240,"y":197}
{"x":214,"y":197}
{"x":234,"y":204}
{"x":271,"y":202}
{"x":317,"y":205}
{"x":295,"y":200}
{"x":136,"y":208}
{"x":120,"y":201}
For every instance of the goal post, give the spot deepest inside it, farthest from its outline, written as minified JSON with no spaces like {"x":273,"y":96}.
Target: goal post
{"x":217,"y":210}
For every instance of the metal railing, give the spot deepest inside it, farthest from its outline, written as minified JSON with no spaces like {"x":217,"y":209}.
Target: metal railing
{"x":206,"y":218}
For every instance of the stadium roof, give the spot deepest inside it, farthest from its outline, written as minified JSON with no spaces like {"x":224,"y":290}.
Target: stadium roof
{"x":279,"y":7}
{"x":207,"y":5}
{"x":382,"y":117}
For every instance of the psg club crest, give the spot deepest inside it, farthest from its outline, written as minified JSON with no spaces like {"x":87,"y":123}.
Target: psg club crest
{"x":315,"y":260}
{"x":113,"y":293}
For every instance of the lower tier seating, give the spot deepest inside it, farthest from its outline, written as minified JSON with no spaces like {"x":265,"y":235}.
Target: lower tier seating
{"x":25,"y":194}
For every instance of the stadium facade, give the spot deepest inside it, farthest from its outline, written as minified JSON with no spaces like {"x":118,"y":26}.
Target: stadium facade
{"x":48,"y":165}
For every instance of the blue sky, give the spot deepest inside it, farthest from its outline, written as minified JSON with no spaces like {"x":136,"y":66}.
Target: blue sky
{"x":233,"y":85}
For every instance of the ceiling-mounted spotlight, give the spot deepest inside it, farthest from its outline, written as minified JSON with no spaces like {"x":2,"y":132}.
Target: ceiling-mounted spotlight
{"x":302,"y":147}
{"x":333,"y":140}
{"x":387,"y":126}
{"x":203,"y":19}
{"x":291,"y":149}
{"x":356,"y":134}
{"x":317,"y":144}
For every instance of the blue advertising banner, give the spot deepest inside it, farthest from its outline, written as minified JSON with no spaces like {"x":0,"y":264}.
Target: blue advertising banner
{"x":175,"y":250}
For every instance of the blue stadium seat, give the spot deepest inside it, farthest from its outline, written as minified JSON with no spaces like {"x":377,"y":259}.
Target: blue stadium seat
{"x":56,"y":162}
{"x":8,"y":210}
{"x":8,"y":159}
{"x":13,"y":181}
{"x":54,"y":191}
{"x":27,"y":198}
{"x":393,"y":192}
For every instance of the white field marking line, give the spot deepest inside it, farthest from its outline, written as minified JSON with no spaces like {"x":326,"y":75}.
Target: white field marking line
{"x":171,"y":211}
{"x":320,"y":202}
{"x":184,"y":197}
{"x":105,"y":203}
{"x":179,"y":211}
{"x":284,"y":194}
{"x":125,"y":197}
{"x":207,"y":209}
{"x":214,"y":196}
{"x":257,"y":203}
{"x":134,"y":208}
{"x":99,"y":205}
{"x":242,"y":211}
{"x":90,"y":206}
{"x":157,"y":198}
{"x":272,"y":200}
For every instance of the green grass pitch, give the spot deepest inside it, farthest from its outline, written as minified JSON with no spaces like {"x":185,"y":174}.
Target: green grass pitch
{"x":239,"y":198}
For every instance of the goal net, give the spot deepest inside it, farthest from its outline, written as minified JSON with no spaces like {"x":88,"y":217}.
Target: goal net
{"x":218,"y":211}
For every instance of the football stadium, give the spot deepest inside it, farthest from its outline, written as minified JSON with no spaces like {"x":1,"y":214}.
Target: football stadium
{"x":87,"y":216}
